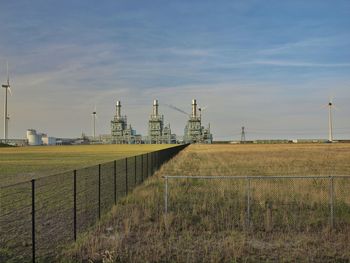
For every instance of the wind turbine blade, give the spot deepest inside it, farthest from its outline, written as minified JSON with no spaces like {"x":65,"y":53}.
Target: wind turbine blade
{"x":9,"y":89}
{"x":7,"y":73}
{"x":94,"y":111}
{"x":336,"y":108}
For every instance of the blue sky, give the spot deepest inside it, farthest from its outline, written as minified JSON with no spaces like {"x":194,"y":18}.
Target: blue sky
{"x":270,"y":66}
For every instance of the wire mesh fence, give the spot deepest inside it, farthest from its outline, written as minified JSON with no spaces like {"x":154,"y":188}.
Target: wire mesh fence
{"x":16,"y":222}
{"x":258,"y":203}
{"x":39,"y":217}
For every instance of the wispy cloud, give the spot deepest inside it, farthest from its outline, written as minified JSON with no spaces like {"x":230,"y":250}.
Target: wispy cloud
{"x":190,"y":52}
{"x":297,"y":64}
{"x":304,"y":45}
{"x":233,"y":57}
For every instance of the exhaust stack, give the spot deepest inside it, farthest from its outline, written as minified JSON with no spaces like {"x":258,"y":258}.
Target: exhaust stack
{"x":194,"y":108}
{"x":155,"y":108}
{"x":119,"y":109}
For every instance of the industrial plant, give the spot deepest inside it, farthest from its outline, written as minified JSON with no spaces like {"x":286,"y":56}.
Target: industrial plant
{"x":35,"y":139}
{"x":121,"y":133}
{"x":158,"y":133}
{"x":194,"y":131}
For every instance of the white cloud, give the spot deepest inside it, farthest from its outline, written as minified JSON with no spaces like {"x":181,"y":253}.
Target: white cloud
{"x":291,"y":63}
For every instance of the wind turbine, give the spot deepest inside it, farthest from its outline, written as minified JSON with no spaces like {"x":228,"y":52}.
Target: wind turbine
{"x":94,"y":122}
{"x":8,"y":121}
{"x":7,"y":87}
{"x":330,"y":121}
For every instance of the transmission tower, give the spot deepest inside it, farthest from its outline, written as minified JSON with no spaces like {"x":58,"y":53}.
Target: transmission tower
{"x":243,"y":135}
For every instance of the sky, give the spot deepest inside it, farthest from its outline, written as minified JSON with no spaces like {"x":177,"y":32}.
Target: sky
{"x":270,"y":65}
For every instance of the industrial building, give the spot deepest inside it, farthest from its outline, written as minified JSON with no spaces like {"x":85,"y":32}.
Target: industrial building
{"x":35,"y":139}
{"x":158,"y":133}
{"x":120,"y":131}
{"x":194,"y":131}
{"x":46,"y":140}
{"x":14,"y":142}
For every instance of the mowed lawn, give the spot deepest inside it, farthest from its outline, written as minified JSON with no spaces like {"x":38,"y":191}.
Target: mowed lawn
{"x":18,"y":164}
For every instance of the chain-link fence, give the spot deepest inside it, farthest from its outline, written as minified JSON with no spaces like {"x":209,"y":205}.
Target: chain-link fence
{"x":39,"y":217}
{"x":258,"y":203}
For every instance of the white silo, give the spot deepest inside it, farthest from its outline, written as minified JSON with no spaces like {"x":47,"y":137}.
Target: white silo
{"x":33,"y":137}
{"x":46,"y":140}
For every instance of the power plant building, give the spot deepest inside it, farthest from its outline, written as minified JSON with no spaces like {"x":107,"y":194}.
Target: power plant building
{"x":35,"y":139}
{"x":158,"y":133}
{"x":194,"y":131}
{"x":121,"y":132}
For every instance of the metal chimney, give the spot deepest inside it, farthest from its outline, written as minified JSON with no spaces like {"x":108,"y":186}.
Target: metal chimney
{"x":118,"y":109}
{"x":155,"y":108}
{"x":194,"y":108}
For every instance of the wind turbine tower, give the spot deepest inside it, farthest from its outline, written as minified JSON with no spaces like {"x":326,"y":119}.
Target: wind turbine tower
{"x":330,"y":121}
{"x":94,"y":122}
{"x":6,"y":116}
{"x":243,"y":135}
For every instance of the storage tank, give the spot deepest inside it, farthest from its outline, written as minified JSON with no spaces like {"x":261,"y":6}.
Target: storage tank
{"x":46,"y":140}
{"x":33,"y":137}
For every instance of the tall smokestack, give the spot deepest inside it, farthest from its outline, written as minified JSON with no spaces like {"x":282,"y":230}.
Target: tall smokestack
{"x":194,"y":108}
{"x":118,"y":109}
{"x":155,"y":108}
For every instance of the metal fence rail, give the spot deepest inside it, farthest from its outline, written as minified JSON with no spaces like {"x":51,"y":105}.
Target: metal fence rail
{"x":259,"y":203}
{"x":40,"y":216}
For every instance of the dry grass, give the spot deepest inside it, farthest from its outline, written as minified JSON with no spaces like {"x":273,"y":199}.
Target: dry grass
{"x":207,"y":220}
{"x":284,"y":159}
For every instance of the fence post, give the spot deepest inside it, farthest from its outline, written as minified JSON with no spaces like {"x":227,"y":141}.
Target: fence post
{"x":135,"y":172}
{"x":126,"y":176}
{"x":75,"y":204}
{"x":166,"y":196}
{"x":248,"y":201}
{"x":33,"y":220}
{"x":331,"y":201}
{"x":99,"y":191}
{"x":147,"y":165}
{"x":142,"y":167}
{"x":155,"y":161}
{"x":115,"y":182}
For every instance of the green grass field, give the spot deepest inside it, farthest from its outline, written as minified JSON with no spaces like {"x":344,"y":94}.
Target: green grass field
{"x":206,"y":220}
{"x":18,"y":164}
{"x":54,"y":194}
